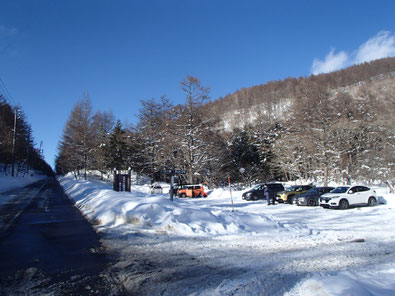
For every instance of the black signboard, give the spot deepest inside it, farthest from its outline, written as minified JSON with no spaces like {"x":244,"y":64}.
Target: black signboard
{"x":121,"y":182}
{"x":174,"y":172}
{"x":180,"y":172}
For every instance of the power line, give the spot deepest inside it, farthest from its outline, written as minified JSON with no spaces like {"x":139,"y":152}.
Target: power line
{"x":5,"y":92}
{"x":16,"y":35}
{"x":6,"y":47}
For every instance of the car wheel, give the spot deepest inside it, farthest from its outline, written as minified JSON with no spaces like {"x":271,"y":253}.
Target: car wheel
{"x":343,"y":204}
{"x":372,"y":201}
{"x":183,"y":195}
{"x":311,"y":202}
{"x":290,"y":199}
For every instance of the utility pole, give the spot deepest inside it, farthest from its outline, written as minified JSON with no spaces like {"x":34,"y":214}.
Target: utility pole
{"x":41,"y":151}
{"x":13,"y":144}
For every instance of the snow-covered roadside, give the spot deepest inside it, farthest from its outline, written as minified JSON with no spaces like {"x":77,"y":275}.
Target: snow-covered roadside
{"x":8,"y":183}
{"x":202,"y":247}
{"x":157,"y":214}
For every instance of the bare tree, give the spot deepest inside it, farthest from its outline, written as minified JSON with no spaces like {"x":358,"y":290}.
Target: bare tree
{"x":102,"y":127}
{"x":191,"y":127}
{"x":154,"y":138}
{"x":76,"y":148}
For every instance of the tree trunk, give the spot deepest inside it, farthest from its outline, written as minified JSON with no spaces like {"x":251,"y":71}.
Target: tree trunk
{"x":326,"y":175}
{"x":390,"y":186}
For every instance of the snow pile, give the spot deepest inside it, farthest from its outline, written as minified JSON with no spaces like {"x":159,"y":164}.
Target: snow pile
{"x":385,"y":197}
{"x":141,"y":210}
{"x":8,"y":182}
{"x":348,"y":283}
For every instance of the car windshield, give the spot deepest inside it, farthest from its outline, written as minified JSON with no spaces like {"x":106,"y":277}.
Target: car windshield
{"x":341,"y":189}
{"x":312,"y":191}
{"x":292,"y":188}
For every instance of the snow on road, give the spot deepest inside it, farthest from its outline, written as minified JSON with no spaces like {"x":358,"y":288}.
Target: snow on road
{"x":202,"y":247}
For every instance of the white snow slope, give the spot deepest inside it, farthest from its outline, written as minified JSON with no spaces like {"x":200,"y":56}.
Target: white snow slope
{"x":203,"y":247}
{"x":8,"y":182}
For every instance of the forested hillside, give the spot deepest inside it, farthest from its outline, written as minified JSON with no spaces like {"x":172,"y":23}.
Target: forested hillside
{"x":270,"y":102}
{"x":16,"y":143}
{"x":337,"y":126}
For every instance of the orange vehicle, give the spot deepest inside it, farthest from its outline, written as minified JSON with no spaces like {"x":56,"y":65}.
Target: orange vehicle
{"x":191,"y":191}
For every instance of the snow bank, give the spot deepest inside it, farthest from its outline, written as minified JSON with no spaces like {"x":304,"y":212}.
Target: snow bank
{"x":364,"y":283}
{"x":9,"y":183}
{"x":141,"y":210}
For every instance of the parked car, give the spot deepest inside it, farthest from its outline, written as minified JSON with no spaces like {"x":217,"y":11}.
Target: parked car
{"x":312,"y":197}
{"x":344,"y":197}
{"x":191,"y":191}
{"x":156,"y":188}
{"x":289,"y":194}
{"x":178,"y":187}
{"x":257,"y":192}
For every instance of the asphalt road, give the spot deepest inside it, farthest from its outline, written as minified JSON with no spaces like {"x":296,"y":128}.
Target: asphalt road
{"x":48,"y":247}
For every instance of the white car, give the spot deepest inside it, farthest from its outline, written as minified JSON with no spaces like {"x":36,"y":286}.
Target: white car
{"x":343,"y":197}
{"x":156,"y":188}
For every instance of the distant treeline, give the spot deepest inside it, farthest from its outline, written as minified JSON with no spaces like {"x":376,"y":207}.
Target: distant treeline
{"x":330,"y":127}
{"x":17,"y":145}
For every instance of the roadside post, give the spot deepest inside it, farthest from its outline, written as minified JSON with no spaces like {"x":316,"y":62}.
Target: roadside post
{"x":171,"y":187}
{"x":173,"y":173}
{"x":231,"y":198}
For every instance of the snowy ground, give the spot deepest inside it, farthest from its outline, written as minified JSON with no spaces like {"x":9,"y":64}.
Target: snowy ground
{"x":203,"y":247}
{"x":7,"y":182}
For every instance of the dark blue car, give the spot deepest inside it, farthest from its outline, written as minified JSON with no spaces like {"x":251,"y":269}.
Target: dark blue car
{"x":311,"y":197}
{"x":258,"y":191}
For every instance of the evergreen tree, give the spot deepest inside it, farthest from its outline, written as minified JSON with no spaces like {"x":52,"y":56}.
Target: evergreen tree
{"x":117,"y":149}
{"x":16,"y":142}
{"x":6,"y":132}
{"x":244,"y":157}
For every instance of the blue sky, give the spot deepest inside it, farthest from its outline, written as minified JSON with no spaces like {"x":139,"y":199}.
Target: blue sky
{"x":120,"y":52}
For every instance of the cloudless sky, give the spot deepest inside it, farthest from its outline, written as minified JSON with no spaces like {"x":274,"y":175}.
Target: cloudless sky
{"x":121,"y":52}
